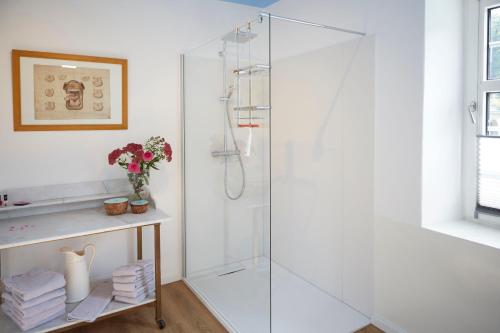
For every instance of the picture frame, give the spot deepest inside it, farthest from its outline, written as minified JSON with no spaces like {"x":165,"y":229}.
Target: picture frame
{"x":68,"y":92}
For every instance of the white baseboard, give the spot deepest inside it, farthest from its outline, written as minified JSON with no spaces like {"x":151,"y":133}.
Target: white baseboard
{"x":386,"y":326}
{"x":169,"y":278}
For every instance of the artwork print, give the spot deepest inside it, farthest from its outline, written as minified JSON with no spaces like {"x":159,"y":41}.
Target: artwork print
{"x":68,"y":92}
{"x":63,"y":93}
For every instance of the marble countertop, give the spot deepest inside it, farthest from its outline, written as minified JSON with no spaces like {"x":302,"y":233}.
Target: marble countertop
{"x":20,"y":231}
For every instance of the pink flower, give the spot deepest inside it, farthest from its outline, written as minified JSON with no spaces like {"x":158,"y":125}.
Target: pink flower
{"x":114,"y":155}
{"x":134,"y":167}
{"x":147,"y":156}
{"x":168,"y":152}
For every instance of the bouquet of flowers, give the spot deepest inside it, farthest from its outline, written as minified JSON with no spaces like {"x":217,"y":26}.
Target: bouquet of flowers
{"x":138,"y":160}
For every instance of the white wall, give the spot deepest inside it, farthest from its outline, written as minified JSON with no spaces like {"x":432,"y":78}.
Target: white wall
{"x":425,"y":282}
{"x":150,"y":34}
{"x":322,"y":167}
{"x":443,"y":112}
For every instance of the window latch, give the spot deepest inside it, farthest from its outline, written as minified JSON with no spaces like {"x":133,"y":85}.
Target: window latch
{"x":472,"y":108}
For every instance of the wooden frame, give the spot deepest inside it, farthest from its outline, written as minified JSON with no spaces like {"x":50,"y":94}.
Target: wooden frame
{"x":16,"y":92}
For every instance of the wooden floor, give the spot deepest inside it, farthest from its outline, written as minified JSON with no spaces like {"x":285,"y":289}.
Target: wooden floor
{"x":182,"y":310}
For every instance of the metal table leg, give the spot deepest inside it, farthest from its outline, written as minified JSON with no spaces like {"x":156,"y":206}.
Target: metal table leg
{"x":159,"y":316}
{"x":139,"y":243}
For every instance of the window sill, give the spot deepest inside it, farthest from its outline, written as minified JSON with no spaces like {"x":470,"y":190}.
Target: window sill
{"x":477,"y":232}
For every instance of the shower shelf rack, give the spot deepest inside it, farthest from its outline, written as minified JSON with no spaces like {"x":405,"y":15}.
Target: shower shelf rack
{"x":252,"y":108}
{"x":253,"y":69}
{"x":248,"y":116}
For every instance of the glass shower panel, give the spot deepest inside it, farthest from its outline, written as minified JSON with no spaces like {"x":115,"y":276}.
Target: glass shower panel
{"x":227,"y":175}
{"x":321,"y":164}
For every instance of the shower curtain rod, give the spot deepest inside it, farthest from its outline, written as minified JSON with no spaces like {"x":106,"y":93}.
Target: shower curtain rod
{"x":263,"y":14}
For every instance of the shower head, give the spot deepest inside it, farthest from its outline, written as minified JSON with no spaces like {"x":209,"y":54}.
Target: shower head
{"x":238,"y":37}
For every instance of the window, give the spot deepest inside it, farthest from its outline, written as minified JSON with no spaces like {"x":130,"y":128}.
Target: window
{"x":488,"y":122}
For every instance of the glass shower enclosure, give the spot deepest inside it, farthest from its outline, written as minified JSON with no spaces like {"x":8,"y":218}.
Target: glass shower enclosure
{"x":268,"y":117}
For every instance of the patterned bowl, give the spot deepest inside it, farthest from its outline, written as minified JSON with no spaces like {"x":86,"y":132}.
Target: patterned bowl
{"x":116,"y":206}
{"x":139,"y":206}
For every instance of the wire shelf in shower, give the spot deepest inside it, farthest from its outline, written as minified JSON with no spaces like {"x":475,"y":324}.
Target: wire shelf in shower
{"x":250,"y":70}
{"x":252,"y":108}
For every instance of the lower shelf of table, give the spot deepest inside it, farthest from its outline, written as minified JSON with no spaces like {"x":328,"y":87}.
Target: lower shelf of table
{"x":7,"y":325}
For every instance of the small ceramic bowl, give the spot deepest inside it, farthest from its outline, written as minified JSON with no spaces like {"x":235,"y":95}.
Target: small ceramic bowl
{"x":116,"y":206}
{"x":139,"y":206}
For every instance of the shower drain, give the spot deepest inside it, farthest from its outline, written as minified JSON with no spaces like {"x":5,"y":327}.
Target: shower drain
{"x":232,"y":272}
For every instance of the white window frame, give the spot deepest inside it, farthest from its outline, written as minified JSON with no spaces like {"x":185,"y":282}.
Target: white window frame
{"x":476,"y":88}
{"x":484,"y":86}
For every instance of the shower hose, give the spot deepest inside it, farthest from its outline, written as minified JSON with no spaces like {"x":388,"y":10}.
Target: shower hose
{"x":229,"y":195}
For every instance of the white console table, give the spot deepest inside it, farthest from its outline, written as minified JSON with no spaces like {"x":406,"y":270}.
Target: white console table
{"x":55,"y":218}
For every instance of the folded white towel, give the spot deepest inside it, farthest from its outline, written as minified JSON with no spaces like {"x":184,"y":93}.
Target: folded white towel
{"x":131,"y":300}
{"x":92,"y":306}
{"x":147,"y":289}
{"x":38,"y":320}
{"x":133,"y":278}
{"x":129,"y":294}
{"x":35,"y":301}
{"x":146,"y":264}
{"x":34,"y":283}
{"x":140,"y":267}
{"x":130,"y":286}
{"x":128,"y":270}
{"x":34,"y":310}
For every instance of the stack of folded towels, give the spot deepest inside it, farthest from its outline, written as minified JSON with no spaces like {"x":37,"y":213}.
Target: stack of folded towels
{"x":133,"y":283}
{"x":34,"y":298}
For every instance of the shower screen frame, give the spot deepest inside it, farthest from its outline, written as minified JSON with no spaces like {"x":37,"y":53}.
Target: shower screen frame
{"x":270,"y":18}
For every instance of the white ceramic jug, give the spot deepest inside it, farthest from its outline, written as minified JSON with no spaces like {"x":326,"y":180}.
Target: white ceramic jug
{"x":77,"y":273}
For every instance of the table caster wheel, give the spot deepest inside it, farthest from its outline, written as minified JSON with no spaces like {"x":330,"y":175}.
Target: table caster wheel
{"x":161,"y":324}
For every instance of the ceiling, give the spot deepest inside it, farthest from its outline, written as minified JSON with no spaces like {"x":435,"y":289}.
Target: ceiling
{"x":254,"y":3}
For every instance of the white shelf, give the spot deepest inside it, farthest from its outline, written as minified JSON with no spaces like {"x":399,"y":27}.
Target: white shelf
{"x":53,"y":202}
{"x":28,"y":230}
{"x":7,"y":325}
{"x":68,"y":211}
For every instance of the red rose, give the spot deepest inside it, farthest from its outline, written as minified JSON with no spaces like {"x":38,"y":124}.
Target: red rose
{"x":114,"y":155}
{"x":138,"y":155}
{"x":168,"y":152}
{"x":132,"y":148}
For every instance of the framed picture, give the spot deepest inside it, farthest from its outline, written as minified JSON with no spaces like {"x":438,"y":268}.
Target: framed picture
{"x":65,"y":92}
